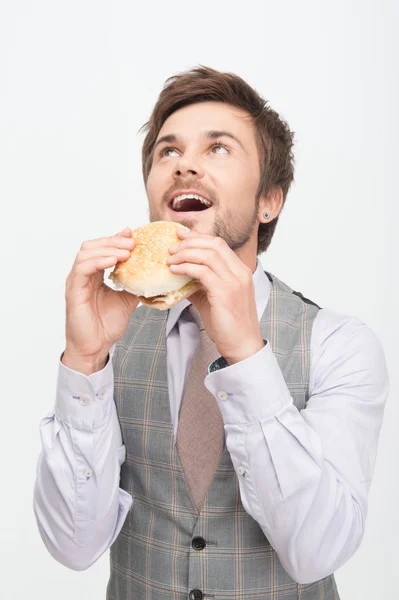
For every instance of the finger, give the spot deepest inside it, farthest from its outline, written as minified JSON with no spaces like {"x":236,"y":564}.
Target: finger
{"x":205,"y":241}
{"x":121,"y":254}
{"x":92,"y":266}
{"x":202,"y":273}
{"x":130,"y":299}
{"x":113,"y":241}
{"x":127,"y":232}
{"x":184,"y":233}
{"x":208,"y":257}
{"x":197,"y":241}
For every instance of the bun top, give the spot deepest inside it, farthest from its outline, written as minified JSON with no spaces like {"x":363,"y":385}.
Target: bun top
{"x":146,"y":273}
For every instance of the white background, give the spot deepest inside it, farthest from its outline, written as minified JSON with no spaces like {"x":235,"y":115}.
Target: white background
{"x":77,"y":80}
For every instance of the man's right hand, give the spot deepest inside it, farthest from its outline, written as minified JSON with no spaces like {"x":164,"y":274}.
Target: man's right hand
{"x":96,"y":315}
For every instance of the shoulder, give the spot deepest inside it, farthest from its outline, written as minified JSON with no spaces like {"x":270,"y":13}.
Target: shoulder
{"x":332,"y":327}
{"x":345,"y":344}
{"x":293,"y":302}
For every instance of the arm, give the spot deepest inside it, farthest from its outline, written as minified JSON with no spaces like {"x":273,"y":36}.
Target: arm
{"x":78,"y":504}
{"x":305,"y":475}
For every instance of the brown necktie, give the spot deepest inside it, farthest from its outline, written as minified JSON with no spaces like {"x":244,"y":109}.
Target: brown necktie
{"x":200,"y":433}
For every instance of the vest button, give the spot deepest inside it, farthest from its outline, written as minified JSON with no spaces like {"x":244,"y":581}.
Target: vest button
{"x":198,"y":543}
{"x":196,"y":595}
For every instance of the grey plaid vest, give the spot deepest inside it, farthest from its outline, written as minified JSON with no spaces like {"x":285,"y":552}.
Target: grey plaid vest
{"x":160,"y":553}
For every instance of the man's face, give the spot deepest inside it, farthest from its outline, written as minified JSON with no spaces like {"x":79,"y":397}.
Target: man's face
{"x":221,"y":168}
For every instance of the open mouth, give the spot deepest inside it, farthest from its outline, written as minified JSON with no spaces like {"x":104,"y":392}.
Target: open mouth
{"x":189,"y":203}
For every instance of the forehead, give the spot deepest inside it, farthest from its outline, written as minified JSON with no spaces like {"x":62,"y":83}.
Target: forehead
{"x":191,"y":121}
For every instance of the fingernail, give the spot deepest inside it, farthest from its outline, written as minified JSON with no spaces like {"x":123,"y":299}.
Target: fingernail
{"x":173,"y":248}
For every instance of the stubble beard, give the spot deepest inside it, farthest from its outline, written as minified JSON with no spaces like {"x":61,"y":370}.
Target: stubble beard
{"x":235,"y":231}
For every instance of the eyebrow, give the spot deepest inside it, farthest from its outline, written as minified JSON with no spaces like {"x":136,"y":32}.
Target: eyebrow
{"x":209,"y":135}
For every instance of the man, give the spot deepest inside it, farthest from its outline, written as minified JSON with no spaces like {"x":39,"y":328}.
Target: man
{"x":287,"y":415}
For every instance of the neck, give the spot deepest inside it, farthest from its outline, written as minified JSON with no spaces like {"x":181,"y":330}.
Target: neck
{"x":247,"y":254}
{"x":248,"y":258}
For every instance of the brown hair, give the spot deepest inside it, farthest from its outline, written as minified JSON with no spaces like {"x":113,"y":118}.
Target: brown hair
{"x":273,"y":136}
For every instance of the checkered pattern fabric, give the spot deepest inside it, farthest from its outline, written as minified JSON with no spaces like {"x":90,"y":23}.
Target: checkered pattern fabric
{"x":153,"y":557}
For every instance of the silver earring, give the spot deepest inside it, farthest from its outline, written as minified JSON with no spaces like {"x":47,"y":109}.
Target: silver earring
{"x":266,"y":215}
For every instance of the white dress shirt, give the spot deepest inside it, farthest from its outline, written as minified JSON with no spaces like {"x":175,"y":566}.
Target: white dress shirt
{"x":304,"y":475}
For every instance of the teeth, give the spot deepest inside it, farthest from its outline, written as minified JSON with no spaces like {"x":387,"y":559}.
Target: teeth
{"x":177,"y":201}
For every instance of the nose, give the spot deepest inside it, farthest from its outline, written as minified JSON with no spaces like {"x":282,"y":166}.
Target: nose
{"x":187,"y":165}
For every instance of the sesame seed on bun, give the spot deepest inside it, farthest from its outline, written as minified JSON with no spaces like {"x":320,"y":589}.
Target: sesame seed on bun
{"x":146,"y":273}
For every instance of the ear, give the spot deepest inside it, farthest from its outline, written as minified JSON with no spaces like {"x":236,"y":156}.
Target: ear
{"x":272,"y":203}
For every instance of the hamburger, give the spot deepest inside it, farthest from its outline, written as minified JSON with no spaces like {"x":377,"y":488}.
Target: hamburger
{"x":146,"y":274}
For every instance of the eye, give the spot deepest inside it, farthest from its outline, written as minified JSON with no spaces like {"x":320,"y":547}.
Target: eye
{"x":165,"y":151}
{"x":219,"y":145}
{"x":162,"y":152}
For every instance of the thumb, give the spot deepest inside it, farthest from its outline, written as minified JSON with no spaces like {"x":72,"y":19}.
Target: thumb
{"x":130,"y":299}
{"x":198,"y":299}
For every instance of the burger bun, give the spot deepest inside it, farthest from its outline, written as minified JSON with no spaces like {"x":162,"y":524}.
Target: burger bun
{"x":147,"y":275}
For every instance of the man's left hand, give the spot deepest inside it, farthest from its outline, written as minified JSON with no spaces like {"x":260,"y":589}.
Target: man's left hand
{"x":227,"y":301}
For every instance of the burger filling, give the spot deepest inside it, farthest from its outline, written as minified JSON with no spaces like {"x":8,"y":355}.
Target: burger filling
{"x":170,"y":295}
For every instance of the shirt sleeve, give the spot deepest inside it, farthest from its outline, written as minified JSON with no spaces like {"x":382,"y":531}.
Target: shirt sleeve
{"x":78,"y":505}
{"x":304,"y":476}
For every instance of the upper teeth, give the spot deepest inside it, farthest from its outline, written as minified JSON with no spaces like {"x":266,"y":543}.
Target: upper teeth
{"x":177,"y":201}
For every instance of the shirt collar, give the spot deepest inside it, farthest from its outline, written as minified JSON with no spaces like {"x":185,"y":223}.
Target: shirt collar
{"x":262,"y":287}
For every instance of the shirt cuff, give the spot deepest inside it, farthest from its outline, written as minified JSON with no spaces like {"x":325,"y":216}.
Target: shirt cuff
{"x":251,"y":390}
{"x":84,"y":402}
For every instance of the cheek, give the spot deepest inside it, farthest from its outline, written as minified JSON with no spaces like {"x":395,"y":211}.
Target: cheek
{"x":237,"y":184}
{"x":154,"y":183}
{"x":248,"y":182}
